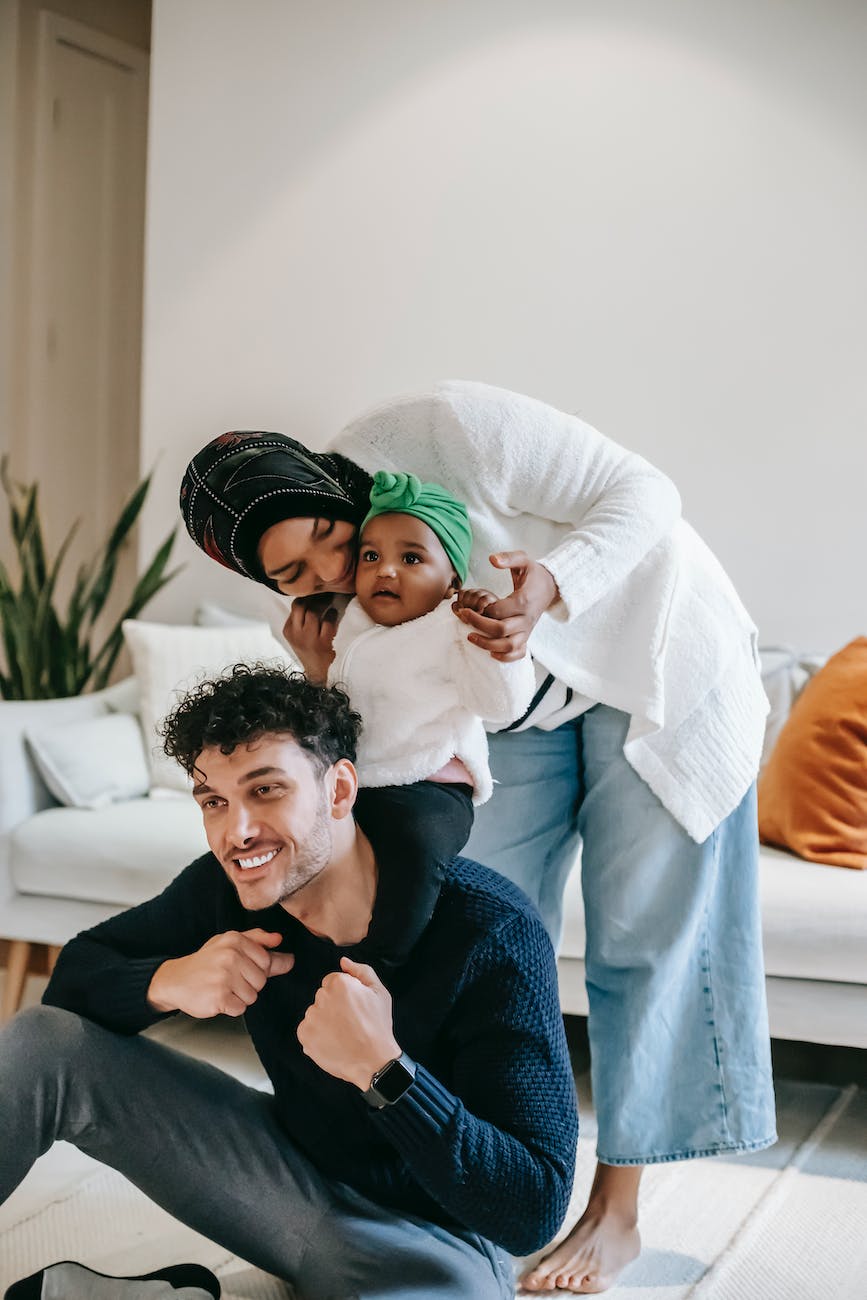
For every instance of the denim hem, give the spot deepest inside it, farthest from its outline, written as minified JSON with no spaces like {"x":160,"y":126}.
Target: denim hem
{"x":722,"y":1149}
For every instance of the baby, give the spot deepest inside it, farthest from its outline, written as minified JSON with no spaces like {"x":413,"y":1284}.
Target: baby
{"x":420,"y":686}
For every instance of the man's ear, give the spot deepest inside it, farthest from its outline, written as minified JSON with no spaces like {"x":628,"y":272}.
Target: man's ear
{"x":343,"y":779}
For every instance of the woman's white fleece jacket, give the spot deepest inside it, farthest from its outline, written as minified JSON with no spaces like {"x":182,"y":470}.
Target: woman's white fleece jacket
{"x":648,"y":621}
{"x":422,"y":690}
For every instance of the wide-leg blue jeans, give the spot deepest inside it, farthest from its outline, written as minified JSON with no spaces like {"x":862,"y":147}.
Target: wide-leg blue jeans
{"x":680,"y":1051}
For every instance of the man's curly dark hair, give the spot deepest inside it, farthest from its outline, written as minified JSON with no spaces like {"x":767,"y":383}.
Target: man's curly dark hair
{"x":251,"y":700}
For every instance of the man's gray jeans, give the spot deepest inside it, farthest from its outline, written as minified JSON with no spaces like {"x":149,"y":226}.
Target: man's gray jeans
{"x":210,"y":1151}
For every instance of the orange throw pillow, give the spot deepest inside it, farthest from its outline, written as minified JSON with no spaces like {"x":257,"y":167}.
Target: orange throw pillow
{"x":813,"y":789}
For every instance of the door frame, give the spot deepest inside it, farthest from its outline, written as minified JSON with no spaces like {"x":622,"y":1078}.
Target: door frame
{"x":53,"y":29}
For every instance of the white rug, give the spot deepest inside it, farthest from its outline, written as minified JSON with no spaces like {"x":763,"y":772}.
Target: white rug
{"x":786,"y":1224}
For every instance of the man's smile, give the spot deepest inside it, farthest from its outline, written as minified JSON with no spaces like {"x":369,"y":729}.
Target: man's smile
{"x":259,"y":860}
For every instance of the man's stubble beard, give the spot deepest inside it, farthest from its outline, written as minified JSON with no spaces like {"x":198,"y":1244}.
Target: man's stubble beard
{"x":313,"y":855}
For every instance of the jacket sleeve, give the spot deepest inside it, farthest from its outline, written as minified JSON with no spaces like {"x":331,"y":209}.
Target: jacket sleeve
{"x":496,"y":691}
{"x":496,"y":1149}
{"x":104,"y":973}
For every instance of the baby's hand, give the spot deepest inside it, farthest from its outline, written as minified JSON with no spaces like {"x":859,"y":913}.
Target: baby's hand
{"x":474,"y":598}
{"x":504,"y":626}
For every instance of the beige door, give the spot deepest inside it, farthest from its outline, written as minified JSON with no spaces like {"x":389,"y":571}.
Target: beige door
{"x":83,"y":362}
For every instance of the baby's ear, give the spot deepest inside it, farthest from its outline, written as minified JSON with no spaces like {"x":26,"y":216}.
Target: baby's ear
{"x":455,"y":585}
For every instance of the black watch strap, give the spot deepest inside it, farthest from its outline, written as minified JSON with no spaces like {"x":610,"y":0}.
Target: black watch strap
{"x":390,"y":1083}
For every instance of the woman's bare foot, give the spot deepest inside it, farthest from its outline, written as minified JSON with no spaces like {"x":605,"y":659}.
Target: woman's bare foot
{"x":604,"y":1240}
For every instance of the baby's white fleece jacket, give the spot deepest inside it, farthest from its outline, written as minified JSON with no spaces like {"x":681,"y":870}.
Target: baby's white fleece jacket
{"x":422,"y":690}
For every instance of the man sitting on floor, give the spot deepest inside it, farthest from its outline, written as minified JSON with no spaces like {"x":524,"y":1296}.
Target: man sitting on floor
{"x":423,"y":1121}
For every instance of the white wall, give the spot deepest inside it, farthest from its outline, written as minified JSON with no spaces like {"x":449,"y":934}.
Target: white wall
{"x":650,"y":212}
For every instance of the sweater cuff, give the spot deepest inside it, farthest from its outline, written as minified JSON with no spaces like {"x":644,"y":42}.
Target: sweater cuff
{"x":128,"y":1005}
{"x":575,"y":567}
{"x":559,"y":611}
{"x":423,"y":1112}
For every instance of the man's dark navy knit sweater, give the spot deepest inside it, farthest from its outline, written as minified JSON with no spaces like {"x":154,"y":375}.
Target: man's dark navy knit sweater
{"x":485,"y":1136}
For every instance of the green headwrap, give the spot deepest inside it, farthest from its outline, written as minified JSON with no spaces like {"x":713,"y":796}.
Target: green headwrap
{"x":404,"y":494}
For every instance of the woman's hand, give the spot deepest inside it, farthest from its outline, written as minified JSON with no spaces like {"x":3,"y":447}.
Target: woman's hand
{"x":502,"y":627}
{"x":309,"y":630}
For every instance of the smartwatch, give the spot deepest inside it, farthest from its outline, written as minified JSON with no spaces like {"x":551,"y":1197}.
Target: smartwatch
{"x":390,"y":1083}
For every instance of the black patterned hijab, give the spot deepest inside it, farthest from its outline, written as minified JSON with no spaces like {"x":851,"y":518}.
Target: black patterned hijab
{"x":243,"y":482}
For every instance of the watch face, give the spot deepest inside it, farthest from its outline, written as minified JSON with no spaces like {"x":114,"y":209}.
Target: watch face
{"x":393,"y":1082}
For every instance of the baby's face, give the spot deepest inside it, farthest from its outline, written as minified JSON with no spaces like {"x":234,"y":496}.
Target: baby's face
{"x":402,"y":571}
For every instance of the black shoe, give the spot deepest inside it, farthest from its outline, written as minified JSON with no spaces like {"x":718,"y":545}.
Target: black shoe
{"x":178,"y":1275}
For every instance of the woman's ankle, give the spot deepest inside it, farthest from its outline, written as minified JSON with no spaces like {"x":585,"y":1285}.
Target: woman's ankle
{"x":615,"y":1192}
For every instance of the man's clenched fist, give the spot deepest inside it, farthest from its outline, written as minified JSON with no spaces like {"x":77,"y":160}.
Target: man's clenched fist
{"x":224,"y":977}
{"x":348,"y":1027}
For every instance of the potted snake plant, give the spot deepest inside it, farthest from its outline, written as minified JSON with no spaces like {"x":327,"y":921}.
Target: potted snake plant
{"x":51,"y":652}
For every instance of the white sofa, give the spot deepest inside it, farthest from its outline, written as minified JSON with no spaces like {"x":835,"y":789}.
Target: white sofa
{"x":62,"y":869}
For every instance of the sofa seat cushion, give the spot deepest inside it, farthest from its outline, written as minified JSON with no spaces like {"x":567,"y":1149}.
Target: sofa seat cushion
{"x":121,"y":854}
{"x":814,"y":919}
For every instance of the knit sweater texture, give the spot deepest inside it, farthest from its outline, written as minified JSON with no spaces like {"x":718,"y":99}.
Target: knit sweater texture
{"x":485,"y":1137}
{"x":422,"y":689}
{"x":648,"y":621}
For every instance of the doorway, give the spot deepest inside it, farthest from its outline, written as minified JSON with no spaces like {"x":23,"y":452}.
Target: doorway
{"x":85,"y":277}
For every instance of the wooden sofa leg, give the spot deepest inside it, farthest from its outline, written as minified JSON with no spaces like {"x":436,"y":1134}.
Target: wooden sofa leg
{"x":52,"y":951}
{"x":16,"y":977}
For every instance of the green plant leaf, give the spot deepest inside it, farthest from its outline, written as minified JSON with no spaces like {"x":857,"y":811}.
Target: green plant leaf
{"x":31,"y":542}
{"x":46,"y":654}
{"x":14,"y":492}
{"x":78,"y":598}
{"x":44,"y":606}
{"x":21,"y":660}
{"x":14,"y":688}
{"x":102,"y":583}
{"x":128,"y":515}
{"x":5,"y":580}
{"x":151,"y":581}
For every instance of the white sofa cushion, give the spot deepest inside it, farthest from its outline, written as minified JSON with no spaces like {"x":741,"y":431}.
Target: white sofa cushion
{"x":22,"y":789}
{"x":814,"y":919}
{"x":121,"y":854}
{"x":89,"y":763}
{"x":170,"y":659}
{"x":210,"y":615}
